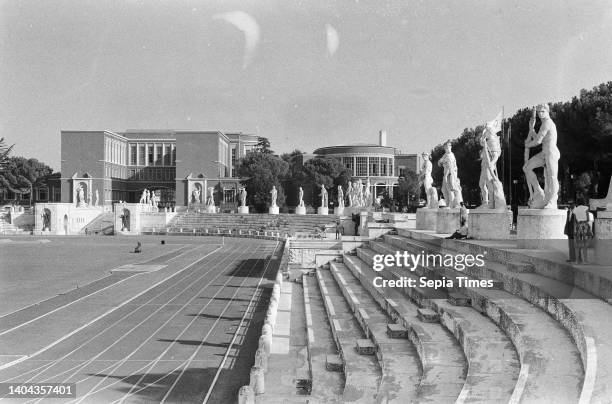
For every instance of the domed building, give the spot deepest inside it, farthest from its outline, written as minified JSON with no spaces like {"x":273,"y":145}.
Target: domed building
{"x":379,"y":163}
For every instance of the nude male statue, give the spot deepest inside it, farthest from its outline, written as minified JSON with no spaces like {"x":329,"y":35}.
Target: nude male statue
{"x":491,"y":189}
{"x":426,"y":180}
{"x":547,"y":158}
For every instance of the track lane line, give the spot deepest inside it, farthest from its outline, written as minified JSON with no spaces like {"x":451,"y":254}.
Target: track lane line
{"x":7,"y":365}
{"x":151,"y":363}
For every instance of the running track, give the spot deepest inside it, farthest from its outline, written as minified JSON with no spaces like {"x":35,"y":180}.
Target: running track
{"x":159,"y":336}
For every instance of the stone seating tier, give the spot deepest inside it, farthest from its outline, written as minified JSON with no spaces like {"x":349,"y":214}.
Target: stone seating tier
{"x":493,"y":363}
{"x":283,"y":223}
{"x":579,"y":312}
{"x":362,"y":372}
{"x":529,"y":328}
{"x":398,"y":359}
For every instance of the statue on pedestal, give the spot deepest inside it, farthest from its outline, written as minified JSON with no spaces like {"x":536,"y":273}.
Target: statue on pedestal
{"x":273,"y":196}
{"x":358,"y":194}
{"x":367,"y":194}
{"x":97,"y":198}
{"x":349,"y":194}
{"x":547,"y":158}
{"x":143,"y":197}
{"x":324,"y":198}
{"x":243,"y":195}
{"x":46,"y":217}
{"x":426,"y":180}
{"x":80,"y":195}
{"x":491,"y":188}
{"x":301,"y":198}
{"x":451,"y":188}
{"x":210,"y":200}
{"x":340,"y":197}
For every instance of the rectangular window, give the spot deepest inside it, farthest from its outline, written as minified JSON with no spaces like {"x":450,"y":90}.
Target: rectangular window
{"x":233,"y":174}
{"x":384,"y":167}
{"x":173,"y":155}
{"x":150,"y":155}
{"x":133,"y":154}
{"x":141,"y":155}
{"x":158,"y":155}
{"x":167,"y":154}
{"x":374,"y":163}
{"x":362,"y":166}
{"x":229,"y":195}
{"x":348,"y":163}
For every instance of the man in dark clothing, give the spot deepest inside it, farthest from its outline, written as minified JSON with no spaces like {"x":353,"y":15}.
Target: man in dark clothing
{"x":357,"y":220}
{"x":569,"y":231}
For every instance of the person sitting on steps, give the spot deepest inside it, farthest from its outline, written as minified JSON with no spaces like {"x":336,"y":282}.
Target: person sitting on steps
{"x":138,"y":248}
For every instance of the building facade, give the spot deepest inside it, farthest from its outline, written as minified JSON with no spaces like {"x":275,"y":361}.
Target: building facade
{"x":382,"y":165}
{"x":107,"y":167}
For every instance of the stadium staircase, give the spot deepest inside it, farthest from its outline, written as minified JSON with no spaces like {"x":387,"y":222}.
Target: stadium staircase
{"x":541,"y":334}
{"x":102,"y":224}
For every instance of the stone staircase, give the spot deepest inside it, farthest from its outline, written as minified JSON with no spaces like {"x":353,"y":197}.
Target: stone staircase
{"x":283,"y":223}
{"x":102,"y":224}
{"x":540,"y":334}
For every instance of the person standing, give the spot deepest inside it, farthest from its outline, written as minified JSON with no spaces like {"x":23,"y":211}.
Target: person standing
{"x":569,"y":231}
{"x":583,"y":231}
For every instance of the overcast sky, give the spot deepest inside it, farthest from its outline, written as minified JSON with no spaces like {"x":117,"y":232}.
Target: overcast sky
{"x":305,"y":74}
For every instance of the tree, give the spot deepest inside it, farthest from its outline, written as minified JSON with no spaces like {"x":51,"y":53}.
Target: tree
{"x":263,"y":145}
{"x":328,"y":171}
{"x":22,"y":175}
{"x":263,"y":170}
{"x":5,"y":151}
{"x":408,"y":189}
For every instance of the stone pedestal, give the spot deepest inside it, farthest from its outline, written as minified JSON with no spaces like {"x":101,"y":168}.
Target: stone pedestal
{"x":448,"y":220}
{"x":300,"y":210}
{"x":273,"y":210}
{"x":426,"y":218}
{"x":539,"y":224}
{"x":211,"y":209}
{"x":489,"y":224}
{"x":322,"y":211}
{"x":603,"y":225}
{"x":339,"y":211}
{"x":243,"y":209}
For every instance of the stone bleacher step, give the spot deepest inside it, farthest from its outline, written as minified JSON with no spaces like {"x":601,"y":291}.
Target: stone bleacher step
{"x":459,"y":299}
{"x":493,"y":362}
{"x":397,"y":331}
{"x":428,"y":315}
{"x":362,"y":373}
{"x":322,"y":351}
{"x":550,"y":360}
{"x":398,"y":358}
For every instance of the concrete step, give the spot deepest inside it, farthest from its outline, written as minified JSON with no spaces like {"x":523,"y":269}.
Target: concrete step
{"x":327,"y":385}
{"x":493,"y":362}
{"x":398,"y":357}
{"x":441,"y":358}
{"x":362,"y":372}
{"x":553,"y":364}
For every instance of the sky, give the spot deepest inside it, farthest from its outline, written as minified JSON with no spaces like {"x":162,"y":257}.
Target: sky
{"x":305,"y":74}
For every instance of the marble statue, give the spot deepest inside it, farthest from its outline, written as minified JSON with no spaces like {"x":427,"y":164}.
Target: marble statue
{"x":143,"y":196}
{"x":97,"y":198}
{"x":153,"y":199}
{"x":80,"y":195}
{"x":451,"y":189}
{"x":491,"y":188}
{"x":46,"y":217}
{"x":210,"y":200}
{"x":147,"y":197}
{"x":274,"y":195}
{"x":547,"y":158}
{"x":195,"y":195}
{"x":358,"y":194}
{"x":426,"y":180}
{"x":367,"y":194}
{"x":340,"y":197}
{"x":324,"y":197}
{"x":349,"y":194}
{"x":243,"y":195}
{"x":125,"y":220}
{"x":301,"y":197}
